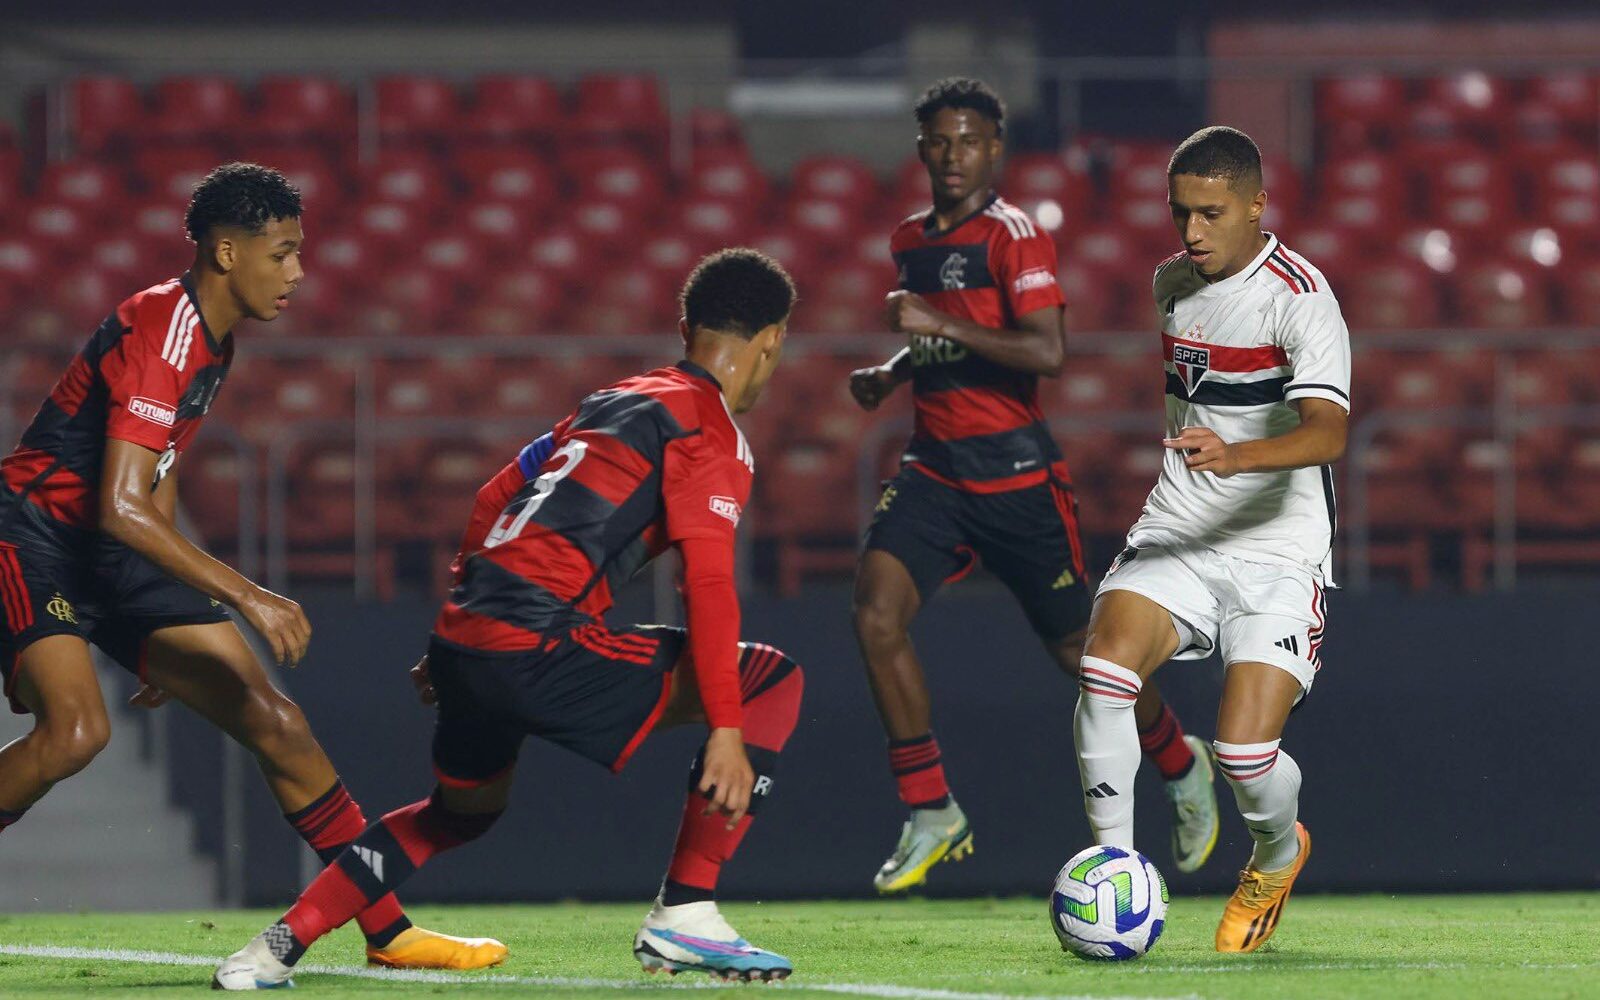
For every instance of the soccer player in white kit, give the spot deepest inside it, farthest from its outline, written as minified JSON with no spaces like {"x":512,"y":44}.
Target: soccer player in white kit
{"x":1232,"y":551}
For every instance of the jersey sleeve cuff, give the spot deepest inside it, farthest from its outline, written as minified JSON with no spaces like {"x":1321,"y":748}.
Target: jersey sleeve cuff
{"x":136,"y":435}
{"x":1317,"y":390}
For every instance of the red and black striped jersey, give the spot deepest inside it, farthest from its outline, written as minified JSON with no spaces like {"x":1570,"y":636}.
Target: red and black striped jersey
{"x":978,"y":424}
{"x":642,"y":464}
{"x":148,"y":375}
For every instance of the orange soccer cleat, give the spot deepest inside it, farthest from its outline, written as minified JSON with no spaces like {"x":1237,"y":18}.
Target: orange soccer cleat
{"x":1254,"y":908}
{"x":416,"y":948}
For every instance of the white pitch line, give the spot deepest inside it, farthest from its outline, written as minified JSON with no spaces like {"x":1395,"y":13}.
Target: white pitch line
{"x":887,"y":991}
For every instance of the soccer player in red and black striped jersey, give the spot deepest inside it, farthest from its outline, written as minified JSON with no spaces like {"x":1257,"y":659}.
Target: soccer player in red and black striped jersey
{"x":522,"y":646}
{"x":90,"y":552}
{"x":981,"y":480}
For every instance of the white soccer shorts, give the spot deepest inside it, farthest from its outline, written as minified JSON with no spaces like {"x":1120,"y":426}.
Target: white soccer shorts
{"x":1253,"y":612}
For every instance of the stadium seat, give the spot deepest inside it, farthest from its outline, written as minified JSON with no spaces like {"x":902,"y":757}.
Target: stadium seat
{"x":1092,"y":295}
{"x":415,"y":108}
{"x":210,"y":490}
{"x":321,"y":183}
{"x":125,"y":258}
{"x":1138,"y":173}
{"x":801,"y":257}
{"x":106,"y":111}
{"x":24,"y":261}
{"x":1502,"y":295}
{"x":504,"y":224}
{"x":1358,"y":111}
{"x":403,"y":223}
{"x":457,"y":258}
{"x":713,"y":128}
{"x":727,"y":174}
{"x":1333,"y":251}
{"x":1033,"y":177}
{"x":507,"y":173}
{"x":198,"y":108}
{"x":54,"y":225}
{"x":563,"y":250}
{"x":1579,"y":285}
{"x":87,"y":183}
{"x":617,"y":175}
{"x":1389,"y":295}
{"x":300,"y":109}
{"x":604,"y":223}
{"x":841,"y":179}
{"x":517,"y":301}
{"x":1481,"y":102}
{"x":507,"y":108}
{"x":172,"y":172}
{"x":406,"y":176}
{"x":612,"y":106}
{"x":1470,"y":192}
{"x":823,"y":221}
{"x":1572,"y":96}
{"x":712,"y":220}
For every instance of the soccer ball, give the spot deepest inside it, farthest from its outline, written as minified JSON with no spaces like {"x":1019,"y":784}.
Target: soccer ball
{"x":1109,"y":903}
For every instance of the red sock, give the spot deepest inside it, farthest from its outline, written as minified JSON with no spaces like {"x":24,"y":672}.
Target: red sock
{"x":770,"y":685}
{"x":1163,"y":744}
{"x":377,"y":862}
{"x":329,"y":825}
{"x":919,"y":771}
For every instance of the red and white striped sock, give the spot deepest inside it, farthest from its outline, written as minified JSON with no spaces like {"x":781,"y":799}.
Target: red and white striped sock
{"x":1266,"y":785}
{"x":1107,"y":737}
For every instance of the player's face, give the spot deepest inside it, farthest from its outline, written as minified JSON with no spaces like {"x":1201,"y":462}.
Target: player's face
{"x":768,"y":345}
{"x":266,"y":268}
{"x":960,"y":149}
{"x":1220,"y":227}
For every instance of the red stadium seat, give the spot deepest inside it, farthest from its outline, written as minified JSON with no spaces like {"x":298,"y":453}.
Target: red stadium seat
{"x":563,"y":250}
{"x":1111,"y":248}
{"x":124,"y":257}
{"x":209,"y":488}
{"x":1573,"y":97}
{"x":602,"y":223}
{"x":672,"y":255}
{"x":457,"y":257}
{"x":1359,"y":111}
{"x":712,"y":128}
{"x":1331,"y":250}
{"x":1475,"y":178}
{"x":197,"y":108}
{"x":406,"y":176}
{"x":24,"y":262}
{"x":1480,"y":101}
{"x":1580,"y":291}
{"x":1575,"y":174}
{"x":501,"y":224}
{"x":507,"y":107}
{"x":727,"y":174}
{"x":295,"y":109}
{"x":1502,"y":295}
{"x":517,"y":301}
{"x":413,"y":108}
{"x":1139,"y":174}
{"x":173,"y":172}
{"x":84,"y":296}
{"x":509,"y":174}
{"x":89,"y":184}
{"x":161,"y":219}
{"x":1092,"y":297}
{"x":1284,"y":186}
{"x":105,"y":110}
{"x":321,"y":183}
{"x":1390,"y":295}
{"x":620,"y":106}
{"x":1044,"y":176}
{"x":54,"y":224}
{"x":617,"y":175}
{"x":410,"y":299}
{"x":841,"y":179}
{"x":1369,"y":174}
{"x":707,"y":220}
{"x":828,"y":223}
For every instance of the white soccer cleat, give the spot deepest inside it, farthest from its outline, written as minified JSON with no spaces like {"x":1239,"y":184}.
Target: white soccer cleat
{"x":694,"y":937}
{"x":253,"y":968}
{"x":928,"y":837}
{"x":1195,"y":822}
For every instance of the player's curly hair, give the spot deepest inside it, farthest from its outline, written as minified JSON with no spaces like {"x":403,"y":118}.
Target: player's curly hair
{"x":1219,"y":151}
{"x":241,"y":196}
{"x":962,"y":92}
{"x":738,"y":290}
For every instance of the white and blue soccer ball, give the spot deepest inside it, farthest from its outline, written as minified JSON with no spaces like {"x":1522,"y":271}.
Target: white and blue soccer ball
{"x":1109,"y":904}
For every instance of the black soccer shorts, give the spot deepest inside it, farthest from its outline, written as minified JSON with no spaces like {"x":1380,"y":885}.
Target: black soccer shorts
{"x":59,"y":580}
{"x":595,"y":690}
{"x":1028,"y":538}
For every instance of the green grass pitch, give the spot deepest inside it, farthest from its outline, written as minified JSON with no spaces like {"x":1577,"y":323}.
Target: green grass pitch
{"x":1545,"y":946}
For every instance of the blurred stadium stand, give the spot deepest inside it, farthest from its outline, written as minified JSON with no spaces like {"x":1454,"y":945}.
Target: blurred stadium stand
{"x":487,"y":248}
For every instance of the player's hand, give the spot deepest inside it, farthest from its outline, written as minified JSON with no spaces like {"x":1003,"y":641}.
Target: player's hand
{"x":149,"y":696}
{"x":1204,"y":451}
{"x":423,"y":683}
{"x":281,"y":622}
{"x":908,"y":312}
{"x":726,"y":776}
{"x":871,"y":386}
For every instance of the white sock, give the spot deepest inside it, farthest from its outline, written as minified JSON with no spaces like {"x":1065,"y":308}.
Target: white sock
{"x":1266,"y":785}
{"x":1108,"y":747}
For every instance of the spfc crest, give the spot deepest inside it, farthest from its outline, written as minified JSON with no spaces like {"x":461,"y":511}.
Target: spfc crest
{"x":1192,"y":363}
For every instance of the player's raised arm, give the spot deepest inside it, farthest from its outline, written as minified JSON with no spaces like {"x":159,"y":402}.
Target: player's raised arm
{"x":129,"y":513}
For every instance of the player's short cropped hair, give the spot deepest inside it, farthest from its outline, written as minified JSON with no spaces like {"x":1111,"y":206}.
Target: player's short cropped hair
{"x":240,"y":196}
{"x":962,"y":92}
{"x":739,"y":291}
{"x":1219,"y":151}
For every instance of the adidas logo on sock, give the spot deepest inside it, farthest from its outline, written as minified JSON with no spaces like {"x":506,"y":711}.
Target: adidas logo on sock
{"x":1101,"y":791}
{"x":372,"y":859}
{"x":1289,"y":642}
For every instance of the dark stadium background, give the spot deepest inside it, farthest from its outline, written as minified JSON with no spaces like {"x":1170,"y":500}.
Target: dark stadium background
{"x":499,"y":209}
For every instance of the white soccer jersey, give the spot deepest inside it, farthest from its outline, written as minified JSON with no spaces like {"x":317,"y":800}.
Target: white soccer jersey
{"x":1237,"y":353}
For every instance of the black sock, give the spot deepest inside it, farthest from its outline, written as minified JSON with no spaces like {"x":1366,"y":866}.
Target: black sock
{"x":676,"y":894}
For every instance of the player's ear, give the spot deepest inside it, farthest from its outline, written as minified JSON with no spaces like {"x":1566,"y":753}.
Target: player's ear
{"x":1258,"y":204}
{"x":224,"y":253}
{"x":683,"y":330}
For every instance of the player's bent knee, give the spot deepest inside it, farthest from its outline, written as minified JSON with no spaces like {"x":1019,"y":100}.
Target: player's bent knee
{"x":70,"y":745}
{"x":878,"y":623}
{"x":275,"y":727}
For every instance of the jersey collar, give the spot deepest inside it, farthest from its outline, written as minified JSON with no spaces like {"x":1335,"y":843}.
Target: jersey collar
{"x":187,"y":280}
{"x":693,"y":369}
{"x":931,"y":233}
{"x":1248,"y":271}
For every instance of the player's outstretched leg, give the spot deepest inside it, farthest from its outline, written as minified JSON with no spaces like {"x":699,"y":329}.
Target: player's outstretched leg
{"x":54,"y":679}
{"x":684,"y":931}
{"x":210,"y":669}
{"x":936,"y":830}
{"x":372,"y":867}
{"x":1256,"y":699}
